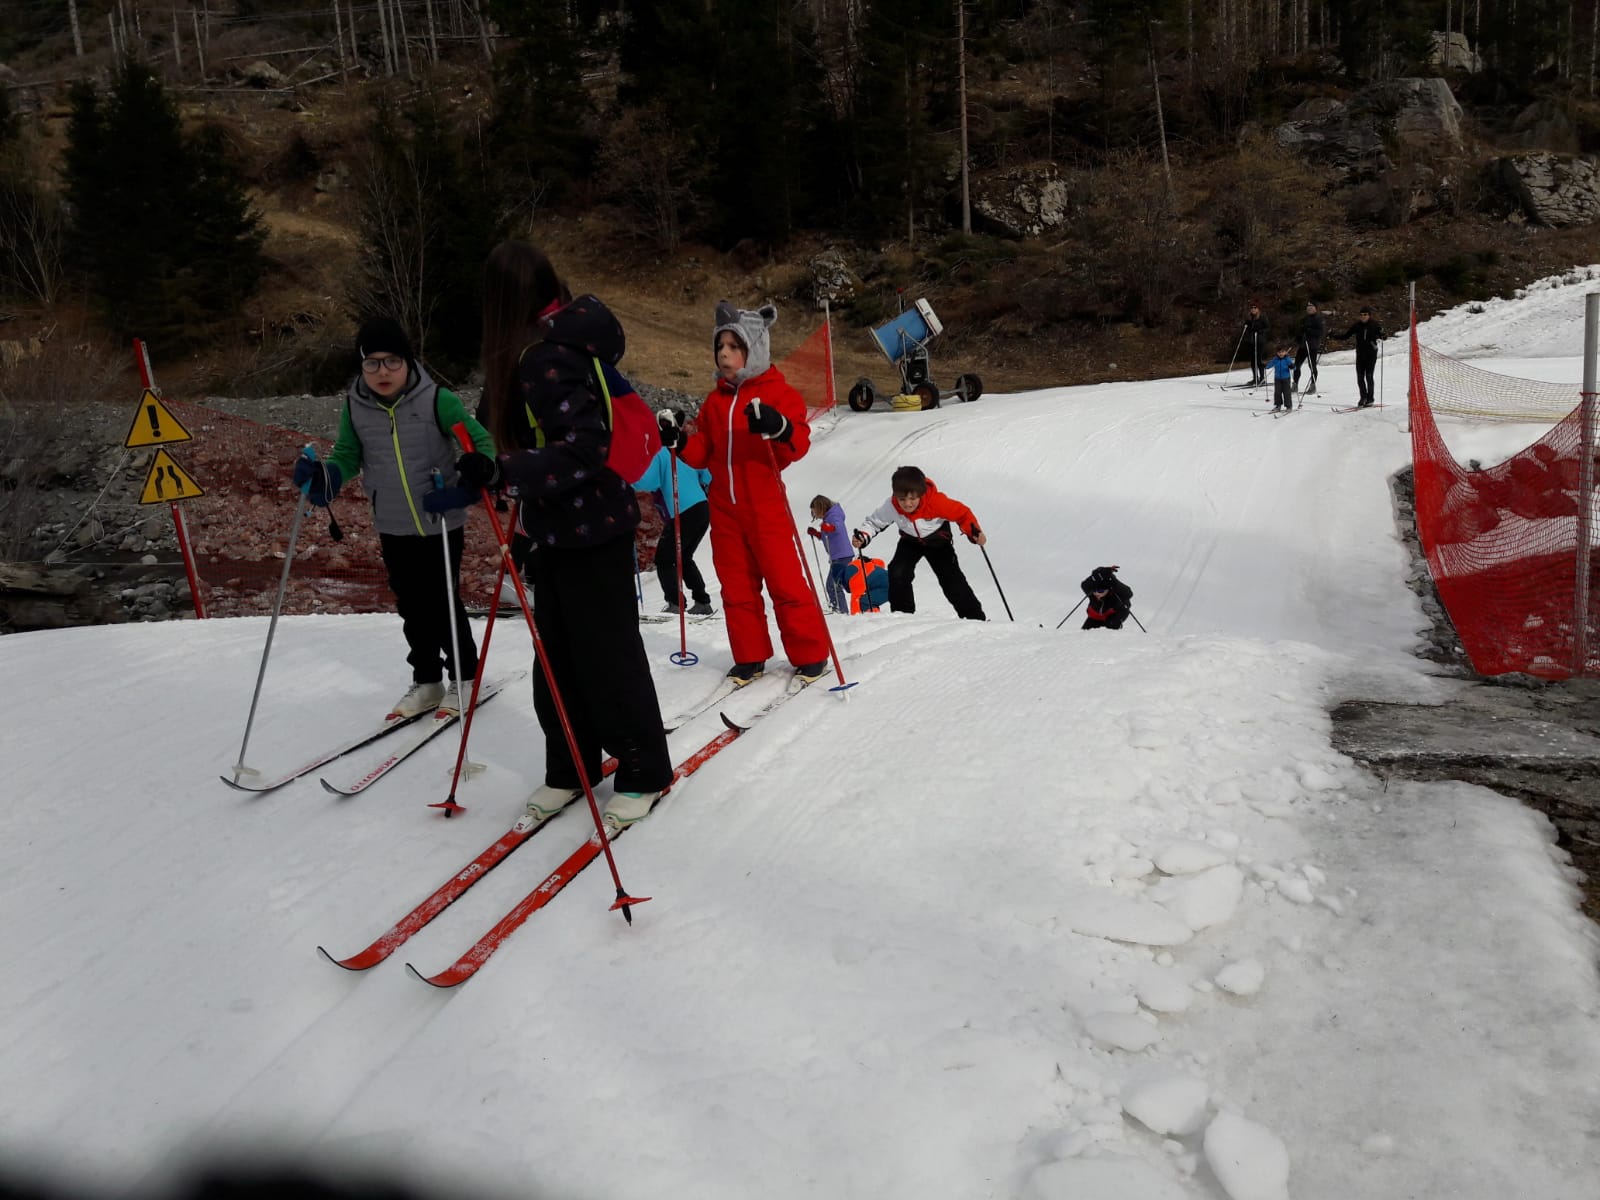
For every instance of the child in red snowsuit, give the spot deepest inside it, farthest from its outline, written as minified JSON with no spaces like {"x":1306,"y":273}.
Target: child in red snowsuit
{"x":751,"y":426}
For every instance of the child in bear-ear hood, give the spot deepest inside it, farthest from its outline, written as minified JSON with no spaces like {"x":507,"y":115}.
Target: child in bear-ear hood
{"x":751,"y":427}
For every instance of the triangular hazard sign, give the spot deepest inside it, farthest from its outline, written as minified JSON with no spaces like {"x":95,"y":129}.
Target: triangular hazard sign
{"x":154,"y":425}
{"x":168,"y":481}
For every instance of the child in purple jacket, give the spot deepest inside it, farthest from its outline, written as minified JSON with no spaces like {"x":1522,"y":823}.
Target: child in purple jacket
{"x":835,"y":537}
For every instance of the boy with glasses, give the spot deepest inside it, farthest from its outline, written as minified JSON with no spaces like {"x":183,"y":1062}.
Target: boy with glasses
{"x":395,"y":430}
{"x":924,"y":516}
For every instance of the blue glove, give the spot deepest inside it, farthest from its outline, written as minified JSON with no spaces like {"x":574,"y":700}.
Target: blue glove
{"x":767,"y":421}
{"x":443,"y":500}
{"x":325,"y":480}
{"x":477,"y":471}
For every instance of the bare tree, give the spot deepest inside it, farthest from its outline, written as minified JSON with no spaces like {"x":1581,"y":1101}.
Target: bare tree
{"x":401,"y":231}
{"x":654,"y":167}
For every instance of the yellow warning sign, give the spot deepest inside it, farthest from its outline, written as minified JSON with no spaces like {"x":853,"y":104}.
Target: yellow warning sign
{"x":168,"y":481}
{"x":153,"y":425}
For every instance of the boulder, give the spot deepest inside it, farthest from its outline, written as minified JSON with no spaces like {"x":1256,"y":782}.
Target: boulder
{"x":1336,"y":141}
{"x":1419,"y":114}
{"x":1558,"y":190}
{"x":1453,"y":52}
{"x":1543,"y":126}
{"x":1023,"y":202}
{"x":263,"y":74}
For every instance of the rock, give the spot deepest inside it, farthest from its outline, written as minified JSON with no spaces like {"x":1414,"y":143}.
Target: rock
{"x":1552,"y":189}
{"x":263,"y":74}
{"x":1453,"y":52}
{"x":1335,"y":141}
{"x":335,"y":179}
{"x":1318,"y":108}
{"x":1420,"y":114}
{"x":1023,"y":202}
{"x":1543,"y":126}
{"x":831,"y":278}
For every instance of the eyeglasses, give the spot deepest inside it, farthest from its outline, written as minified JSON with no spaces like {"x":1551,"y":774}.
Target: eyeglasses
{"x":389,"y":362}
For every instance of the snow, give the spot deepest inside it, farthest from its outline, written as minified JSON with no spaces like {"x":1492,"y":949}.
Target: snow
{"x":1031,"y":914}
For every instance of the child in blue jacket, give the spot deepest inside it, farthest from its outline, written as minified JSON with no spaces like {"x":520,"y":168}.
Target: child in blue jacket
{"x":694,"y":517}
{"x":1282,"y":366}
{"x":833,"y":532}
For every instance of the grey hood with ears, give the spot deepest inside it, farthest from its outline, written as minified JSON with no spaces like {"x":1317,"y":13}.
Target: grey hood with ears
{"x":750,"y":327}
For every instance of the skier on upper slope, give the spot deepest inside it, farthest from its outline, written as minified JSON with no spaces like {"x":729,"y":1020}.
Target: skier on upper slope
{"x":924,"y":515}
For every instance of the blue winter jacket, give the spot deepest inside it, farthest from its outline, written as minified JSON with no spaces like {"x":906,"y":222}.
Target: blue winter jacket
{"x":1282,"y":367}
{"x":658,"y":478}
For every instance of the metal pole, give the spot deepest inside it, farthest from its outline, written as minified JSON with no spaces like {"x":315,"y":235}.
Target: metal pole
{"x":1580,"y":592}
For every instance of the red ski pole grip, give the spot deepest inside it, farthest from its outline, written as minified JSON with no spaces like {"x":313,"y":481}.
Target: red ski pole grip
{"x":462,"y":436}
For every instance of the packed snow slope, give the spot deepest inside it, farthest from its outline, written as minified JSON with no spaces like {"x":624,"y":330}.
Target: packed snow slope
{"x":1060,"y":915}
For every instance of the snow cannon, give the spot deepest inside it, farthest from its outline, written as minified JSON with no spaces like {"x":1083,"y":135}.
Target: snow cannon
{"x":904,"y":342}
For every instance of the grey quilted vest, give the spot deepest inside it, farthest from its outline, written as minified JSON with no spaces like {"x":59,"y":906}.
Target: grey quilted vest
{"x":400,"y":447}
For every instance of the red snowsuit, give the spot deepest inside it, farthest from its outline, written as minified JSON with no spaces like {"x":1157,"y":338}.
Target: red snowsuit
{"x":752,"y":532}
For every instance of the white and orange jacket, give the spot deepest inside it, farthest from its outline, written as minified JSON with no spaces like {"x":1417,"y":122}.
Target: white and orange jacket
{"x":931,"y":516}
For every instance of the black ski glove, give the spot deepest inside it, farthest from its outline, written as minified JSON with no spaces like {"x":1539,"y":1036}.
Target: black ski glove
{"x":477,"y":470}
{"x":671,"y":431}
{"x":768,"y":422}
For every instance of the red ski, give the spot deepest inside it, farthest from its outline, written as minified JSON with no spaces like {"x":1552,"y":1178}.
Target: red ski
{"x":465,"y":966}
{"x":442,"y":899}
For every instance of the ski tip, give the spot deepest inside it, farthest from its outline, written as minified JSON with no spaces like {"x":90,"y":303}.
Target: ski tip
{"x":730,"y":724}
{"x":433,"y":983}
{"x":328,"y":787}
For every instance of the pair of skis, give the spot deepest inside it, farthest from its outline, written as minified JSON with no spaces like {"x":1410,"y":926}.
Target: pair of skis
{"x":548,"y":888}
{"x":435,"y":723}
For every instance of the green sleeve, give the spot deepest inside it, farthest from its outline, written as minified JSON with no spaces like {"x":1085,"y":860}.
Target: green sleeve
{"x":452,"y":413}
{"x":346,"y":452}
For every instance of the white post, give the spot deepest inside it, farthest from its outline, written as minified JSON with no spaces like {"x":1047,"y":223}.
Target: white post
{"x":199,"y":44}
{"x":433,"y":35}
{"x":383,"y":32}
{"x":77,"y":37}
{"x":1586,"y":451}
{"x":338,"y":40}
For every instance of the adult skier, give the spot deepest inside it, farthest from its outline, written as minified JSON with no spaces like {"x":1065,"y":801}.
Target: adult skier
{"x":1313,"y":329}
{"x":1256,"y":329}
{"x":1367,"y":333}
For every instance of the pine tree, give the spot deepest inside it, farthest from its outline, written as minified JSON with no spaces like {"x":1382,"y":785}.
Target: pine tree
{"x":542,"y":139}
{"x":161,"y":227}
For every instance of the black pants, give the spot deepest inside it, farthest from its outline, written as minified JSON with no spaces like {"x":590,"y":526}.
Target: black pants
{"x":1303,"y":354}
{"x":588,"y":618}
{"x":692,"y":524}
{"x":1364,"y":369}
{"x":940,"y":551}
{"x":1258,"y":365}
{"x":416,"y":577}
{"x":1281,"y":395}
{"x":1113,"y":620}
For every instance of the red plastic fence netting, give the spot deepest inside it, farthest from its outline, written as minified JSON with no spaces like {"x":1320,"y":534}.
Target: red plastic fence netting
{"x":240,"y":527}
{"x":1511,"y":547}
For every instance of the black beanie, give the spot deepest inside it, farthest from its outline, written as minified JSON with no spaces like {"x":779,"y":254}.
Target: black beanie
{"x":383,"y":335}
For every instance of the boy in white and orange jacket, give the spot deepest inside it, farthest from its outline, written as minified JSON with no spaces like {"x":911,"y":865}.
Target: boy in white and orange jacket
{"x":924,"y":516}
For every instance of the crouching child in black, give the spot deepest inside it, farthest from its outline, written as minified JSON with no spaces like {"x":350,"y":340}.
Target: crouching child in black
{"x":1109,"y":599}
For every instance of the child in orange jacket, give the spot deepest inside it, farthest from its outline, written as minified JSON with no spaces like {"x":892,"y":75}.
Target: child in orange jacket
{"x":752,"y":426}
{"x":924,"y":515}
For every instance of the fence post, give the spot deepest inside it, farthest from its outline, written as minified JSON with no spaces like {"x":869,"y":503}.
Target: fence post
{"x":1586,"y":451}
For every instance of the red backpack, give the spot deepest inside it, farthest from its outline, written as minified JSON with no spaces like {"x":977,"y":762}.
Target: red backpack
{"x":635,"y":437}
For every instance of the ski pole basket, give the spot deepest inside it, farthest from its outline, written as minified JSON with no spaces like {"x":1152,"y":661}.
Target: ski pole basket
{"x":904,"y":342}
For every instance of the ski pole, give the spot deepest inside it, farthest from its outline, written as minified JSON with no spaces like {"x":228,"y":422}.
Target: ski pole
{"x":794,"y":532}
{"x":683,"y":657}
{"x":816,"y":557}
{"x":449,"y":802}
{"x":1068,"y":617}
{"x":623,"y":900}
{"x":996,"y":579}
{"x":300,"y":505}
{"x":1229,"y":373}
{"x":450,"y":599}
{"x":638,"y":578}
{"x":1136,"y":620}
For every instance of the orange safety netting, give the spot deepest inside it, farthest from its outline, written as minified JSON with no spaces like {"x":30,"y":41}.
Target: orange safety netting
{"x":1511,"y":547}
{"x":239,"y":529}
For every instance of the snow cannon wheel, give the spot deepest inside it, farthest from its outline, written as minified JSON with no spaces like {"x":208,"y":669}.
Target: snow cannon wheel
{"x":862,"y":396}
{"x":968,"y":388}
{"x":928,"y":393}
